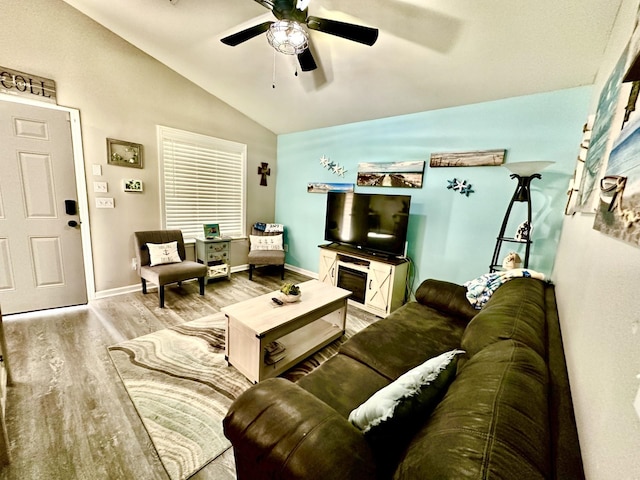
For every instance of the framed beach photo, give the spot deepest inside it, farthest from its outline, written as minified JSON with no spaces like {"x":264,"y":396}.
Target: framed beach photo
{"x":211,"y":230}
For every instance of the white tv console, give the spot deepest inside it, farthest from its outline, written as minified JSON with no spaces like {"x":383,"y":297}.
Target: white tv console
{"x":378,"y":283}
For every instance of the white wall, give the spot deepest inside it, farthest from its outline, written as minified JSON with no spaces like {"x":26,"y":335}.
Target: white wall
{"x":598,"y":289}
{"x":123,"y":93}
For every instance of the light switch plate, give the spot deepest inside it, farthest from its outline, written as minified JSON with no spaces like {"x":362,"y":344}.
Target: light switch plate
{"x":97,"y":170}
{"x":636,"y":403}
{"x":100,"y":187}
{"x":104,"y":202}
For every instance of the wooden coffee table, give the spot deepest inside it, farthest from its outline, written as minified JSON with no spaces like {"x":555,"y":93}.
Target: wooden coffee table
{"x":303,"y":328}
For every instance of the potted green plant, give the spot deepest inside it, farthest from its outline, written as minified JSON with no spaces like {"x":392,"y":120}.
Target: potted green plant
{"x":290,"y":293}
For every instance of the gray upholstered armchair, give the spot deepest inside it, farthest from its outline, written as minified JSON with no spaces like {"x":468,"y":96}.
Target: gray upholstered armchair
{"x":170,"y":266}
{"x":264,"y":251}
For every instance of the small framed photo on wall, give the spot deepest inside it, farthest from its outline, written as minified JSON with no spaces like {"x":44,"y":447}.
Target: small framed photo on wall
{"x":132,"y":185}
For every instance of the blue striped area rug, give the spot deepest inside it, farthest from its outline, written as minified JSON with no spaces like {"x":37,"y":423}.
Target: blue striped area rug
{"x":182,"y":387}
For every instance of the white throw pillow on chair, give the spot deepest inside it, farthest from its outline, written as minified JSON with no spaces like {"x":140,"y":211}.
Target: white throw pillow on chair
{"x":266,"y":242}
{"x":161,"y":253}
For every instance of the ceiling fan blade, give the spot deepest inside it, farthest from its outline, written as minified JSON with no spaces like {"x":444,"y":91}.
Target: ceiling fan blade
{"x":350,"y":31}
{"x":247,"y":34}
{"x":306,"y":60}
{"x":266,"y":3}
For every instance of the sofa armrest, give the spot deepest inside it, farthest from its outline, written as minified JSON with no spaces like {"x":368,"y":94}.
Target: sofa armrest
{"x":279,"y":430}
{"x":446,"y":297}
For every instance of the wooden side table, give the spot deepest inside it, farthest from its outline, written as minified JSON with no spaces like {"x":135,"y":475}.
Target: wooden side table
{"x":215,"y":253}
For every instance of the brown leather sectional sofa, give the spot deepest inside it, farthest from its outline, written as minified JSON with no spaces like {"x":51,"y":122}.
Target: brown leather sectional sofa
{"x":507,"y":413}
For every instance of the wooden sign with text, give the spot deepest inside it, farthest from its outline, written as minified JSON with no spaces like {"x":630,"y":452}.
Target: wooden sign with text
{"x":27,"y":85}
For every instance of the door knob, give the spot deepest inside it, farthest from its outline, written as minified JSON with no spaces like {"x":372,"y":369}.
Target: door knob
{"x":72,"y":223}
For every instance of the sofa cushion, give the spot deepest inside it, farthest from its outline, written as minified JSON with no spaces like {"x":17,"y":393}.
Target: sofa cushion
{"x":445,"y":297}
{"x":492,"y":422}
{"x":515,"y":311}
{"x":343,"y":383}
{"x":406,"y":338}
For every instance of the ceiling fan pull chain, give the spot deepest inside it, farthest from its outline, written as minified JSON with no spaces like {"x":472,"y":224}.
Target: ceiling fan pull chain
{"x":273,"y":82}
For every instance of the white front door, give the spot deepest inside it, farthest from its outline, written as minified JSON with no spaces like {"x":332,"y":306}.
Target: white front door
{"x":41,"y":260}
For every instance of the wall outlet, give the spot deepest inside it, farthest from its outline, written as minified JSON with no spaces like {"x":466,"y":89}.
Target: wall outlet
{"x":134,"y":263}
{"x":104,"y":202}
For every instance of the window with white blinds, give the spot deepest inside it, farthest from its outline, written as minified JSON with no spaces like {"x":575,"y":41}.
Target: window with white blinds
{"x":203,"y":181}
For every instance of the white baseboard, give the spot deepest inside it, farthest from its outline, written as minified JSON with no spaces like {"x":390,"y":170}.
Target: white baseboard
{"x":150,"y":287}
{"x":119,"y":291}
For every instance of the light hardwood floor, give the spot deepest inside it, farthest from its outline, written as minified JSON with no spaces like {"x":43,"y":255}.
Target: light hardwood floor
{"x":68,"y":414}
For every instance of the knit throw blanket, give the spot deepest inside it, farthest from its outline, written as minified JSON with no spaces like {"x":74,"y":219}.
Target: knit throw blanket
{"x":479,"y":290}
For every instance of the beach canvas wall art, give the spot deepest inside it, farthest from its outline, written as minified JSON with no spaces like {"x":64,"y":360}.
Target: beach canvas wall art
{"x":468,"y":159}
{"x":596,"y":155}
{"x":622,"y":220}
{"x":393,"y":174}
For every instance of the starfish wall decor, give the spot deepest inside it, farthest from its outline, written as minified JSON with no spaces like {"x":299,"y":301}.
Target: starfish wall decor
{"x":332,"y":166}
{"x":461,"y":186}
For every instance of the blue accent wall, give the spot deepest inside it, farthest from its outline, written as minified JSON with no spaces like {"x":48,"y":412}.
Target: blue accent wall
{"x":451,"y":236}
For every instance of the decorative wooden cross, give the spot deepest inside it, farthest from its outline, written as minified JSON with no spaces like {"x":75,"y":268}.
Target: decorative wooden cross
{"x":264,"y":170}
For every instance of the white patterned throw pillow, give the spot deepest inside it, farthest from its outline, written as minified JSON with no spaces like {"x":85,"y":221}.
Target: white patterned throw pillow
{"x":266,"y":242}
{"x":416,"y":390}
{"x":161,"y":253}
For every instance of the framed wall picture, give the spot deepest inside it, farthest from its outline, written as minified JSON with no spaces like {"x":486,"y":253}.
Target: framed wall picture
{"x":132,"y":185}
{"x":468,"y":159}
{"x":392,"y":174}
{"x":124,"y":154}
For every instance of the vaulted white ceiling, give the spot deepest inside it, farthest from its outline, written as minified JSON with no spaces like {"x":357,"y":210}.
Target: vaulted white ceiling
{"x":430,"y":54}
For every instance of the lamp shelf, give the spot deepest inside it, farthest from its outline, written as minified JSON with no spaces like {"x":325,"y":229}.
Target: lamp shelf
{"x":513,"y":240}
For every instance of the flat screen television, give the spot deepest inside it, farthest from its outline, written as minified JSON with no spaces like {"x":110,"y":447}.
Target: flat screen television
{"x":373,"y":222}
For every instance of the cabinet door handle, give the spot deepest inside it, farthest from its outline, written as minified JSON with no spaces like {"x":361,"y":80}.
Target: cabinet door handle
{"x":370,"y":283}
{"x":333,"y":270}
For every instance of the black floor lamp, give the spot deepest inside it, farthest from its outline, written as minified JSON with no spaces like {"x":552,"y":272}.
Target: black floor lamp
{"x":524,"y":172}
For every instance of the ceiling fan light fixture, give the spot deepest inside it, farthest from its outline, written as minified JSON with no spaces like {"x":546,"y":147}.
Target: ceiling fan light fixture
{"x":288,"y":37}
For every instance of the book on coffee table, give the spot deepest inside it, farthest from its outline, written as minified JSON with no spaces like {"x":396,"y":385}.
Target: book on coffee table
{"x":274,"y":352}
